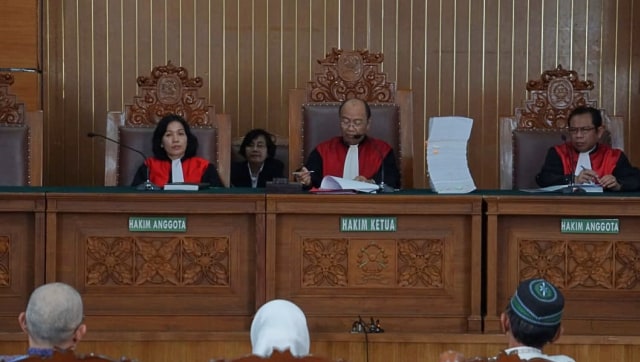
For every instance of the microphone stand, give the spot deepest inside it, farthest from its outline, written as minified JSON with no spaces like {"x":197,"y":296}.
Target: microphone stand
{"x":572,"y":188}
{"x":145,"y":186}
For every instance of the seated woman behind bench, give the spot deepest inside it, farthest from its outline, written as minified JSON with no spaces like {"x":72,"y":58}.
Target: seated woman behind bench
{"x":258,"y":148}
{"x":174,"y":156}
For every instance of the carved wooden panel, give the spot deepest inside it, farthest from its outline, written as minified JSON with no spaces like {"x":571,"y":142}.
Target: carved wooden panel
{"x":11,"y":112}
{"x":433,"y":258}
{"x":350,"y":74}
{"x":168,"y":89}
{"x":598,"y":273}
{"x":581,"y":264}
{"x":203,"y":279}
{"x":5,"y":261}
{"x":551,"y":99}
{"x":157,"y":261}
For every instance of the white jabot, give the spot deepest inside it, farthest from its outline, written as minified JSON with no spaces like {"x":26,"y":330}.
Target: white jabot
{"x":176,"y":171}
{"x":584,"y":162}
{"x":351,"y":164}
{"x":282,"y":325}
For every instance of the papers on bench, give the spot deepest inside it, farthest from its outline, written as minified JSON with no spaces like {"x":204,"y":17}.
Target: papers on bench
{"x":183,"y":186}
{"x":555,"y":188}
{"x":447,"y":155}
{"x":339,"y":185}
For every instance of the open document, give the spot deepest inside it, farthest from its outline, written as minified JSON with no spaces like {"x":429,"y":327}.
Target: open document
{"x":333,"y":184}
{"x":562,"y":188}
{"x":447,"y":155}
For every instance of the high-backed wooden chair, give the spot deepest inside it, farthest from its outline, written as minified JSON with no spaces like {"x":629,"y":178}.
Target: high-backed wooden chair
{"x":20,"y":140}
{"x":70,"y":356}
{"x":313,"y":112}
{"x":277,"y":356}
{"x":167,"y":90}
{"x":541,"y":123}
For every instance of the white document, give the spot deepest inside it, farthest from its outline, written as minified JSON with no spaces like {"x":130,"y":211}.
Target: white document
{"x":587,"y":187}
{"x":339,"y":183}
{"x":181,"y":186}
{"x":447,"y":155}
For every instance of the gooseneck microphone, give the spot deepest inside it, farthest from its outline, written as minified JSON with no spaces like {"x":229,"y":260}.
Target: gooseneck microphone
{"x":572,"y":188}
{"x":147,"y":185}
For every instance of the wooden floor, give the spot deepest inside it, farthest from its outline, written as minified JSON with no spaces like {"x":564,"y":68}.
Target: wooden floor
{"x":382,"y":348}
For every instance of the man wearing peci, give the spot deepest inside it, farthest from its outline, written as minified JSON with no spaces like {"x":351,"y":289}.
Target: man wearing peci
{"x":586,"y":160}
{"x":354,"y":155}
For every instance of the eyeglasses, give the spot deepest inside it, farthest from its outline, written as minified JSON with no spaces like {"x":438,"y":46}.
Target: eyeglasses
{"x":576,"y":130}
{"x":345,"y":122}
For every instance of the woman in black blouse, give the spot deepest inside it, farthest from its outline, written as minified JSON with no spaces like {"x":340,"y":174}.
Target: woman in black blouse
{"x":258,"y":148}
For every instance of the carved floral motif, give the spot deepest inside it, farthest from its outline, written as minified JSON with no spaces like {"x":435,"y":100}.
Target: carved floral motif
{"x":324,"y":262}
{"x":11,"y":113}
{"x":157,"y":261}
{"x":543,"y":259}
{"x":628,"y":258}
{"x":109,"y":260}
{"x":206,"y":260}
{"x":5,"y":259}
{"x":168,"y":90}
{"x":351,"y":74}
{"x":420,"y":263}
{"x":591,"y":264}
{"x":552,"y":98}
{"x":372,"y":261}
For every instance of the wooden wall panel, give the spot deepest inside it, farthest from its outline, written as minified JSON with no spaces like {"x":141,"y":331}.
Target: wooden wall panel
{"x":462,"y":57}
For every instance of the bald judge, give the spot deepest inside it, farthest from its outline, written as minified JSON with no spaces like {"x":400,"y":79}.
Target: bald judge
{"x":354,"y":155}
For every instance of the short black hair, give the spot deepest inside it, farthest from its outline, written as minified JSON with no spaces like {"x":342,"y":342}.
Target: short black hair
{"x":161,"y":128}
{"x":366,"y":106}
{"x":529,"y":334}
{"x":596,"y":116}
{"x":252,"y":135}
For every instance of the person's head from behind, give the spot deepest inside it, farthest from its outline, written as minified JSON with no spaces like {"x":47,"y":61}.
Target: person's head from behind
{"x":173,"y":140}
{"x":279,"y":324}
{"x":54,"y":316}
{"x":585,"y":128}
{"x":355,"y":120}
{"x":257,"y":146}
{"x":533,"y":316}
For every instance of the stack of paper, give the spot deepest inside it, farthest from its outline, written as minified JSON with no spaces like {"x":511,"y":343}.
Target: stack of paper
{"x":447,"y":155}
{"x":333,"y":184}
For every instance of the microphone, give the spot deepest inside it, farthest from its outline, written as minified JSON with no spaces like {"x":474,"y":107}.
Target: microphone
{"x":366,"y":337}
{"x":572,"y":188}
{"x":147,"y":185}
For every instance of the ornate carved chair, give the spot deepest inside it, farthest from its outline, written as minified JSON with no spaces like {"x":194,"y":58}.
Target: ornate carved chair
{"x":276,"y":356}
{"x":313,"y":112}
{"x":167,"y":90}
{"x":526,"y":136}
{"x":20,"y":140}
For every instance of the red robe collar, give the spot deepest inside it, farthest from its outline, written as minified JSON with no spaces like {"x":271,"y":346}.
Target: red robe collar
{"x":193,"y":169}
{"x":603,"y":158}
{"x":371,"y":154}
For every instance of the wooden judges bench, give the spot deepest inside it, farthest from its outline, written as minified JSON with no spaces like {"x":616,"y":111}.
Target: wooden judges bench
{"x":435,"y":270}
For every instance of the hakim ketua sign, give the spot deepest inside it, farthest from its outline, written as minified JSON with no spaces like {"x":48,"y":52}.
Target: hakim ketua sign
{"x":158,"y":224}
{"x":368,"y":223}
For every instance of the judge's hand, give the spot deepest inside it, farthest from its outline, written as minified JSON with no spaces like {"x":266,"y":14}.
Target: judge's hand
{"x":610,"y":182}
{"x":364,"y":179}
{"x":303,"y":176}
{"x":587,"y":176}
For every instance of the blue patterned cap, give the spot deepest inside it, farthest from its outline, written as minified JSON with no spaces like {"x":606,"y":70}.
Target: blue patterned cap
{"x":538,"y":302}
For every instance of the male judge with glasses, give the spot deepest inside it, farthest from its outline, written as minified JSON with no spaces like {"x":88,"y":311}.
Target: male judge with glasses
{"x":354,"y":155}
{"x":585,"y":159}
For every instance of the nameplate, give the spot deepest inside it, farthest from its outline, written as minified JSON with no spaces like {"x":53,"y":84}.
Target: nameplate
{"x":159,"y":224}
{"x":383,"y":224}
{"x":590,"y":226}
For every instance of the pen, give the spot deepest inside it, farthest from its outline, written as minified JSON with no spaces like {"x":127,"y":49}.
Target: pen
{"x":301,"y":172}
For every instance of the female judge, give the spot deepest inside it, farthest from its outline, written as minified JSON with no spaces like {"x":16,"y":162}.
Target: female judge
{"x":174,"y":156}
{"x":258,"y":148}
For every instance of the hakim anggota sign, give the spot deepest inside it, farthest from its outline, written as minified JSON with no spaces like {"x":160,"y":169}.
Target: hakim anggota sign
{"x":590,"y":226}
{"x":169,"y":224}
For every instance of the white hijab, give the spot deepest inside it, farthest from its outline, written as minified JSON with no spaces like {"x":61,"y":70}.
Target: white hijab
{"x":279,"y":324}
